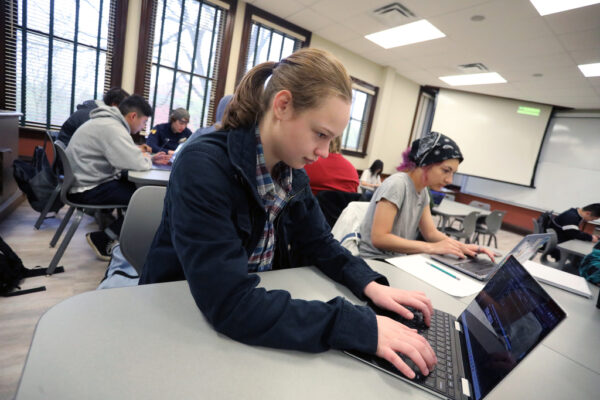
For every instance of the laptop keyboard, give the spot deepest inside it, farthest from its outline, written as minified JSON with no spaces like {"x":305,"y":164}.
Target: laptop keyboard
{"x":441,"y":379}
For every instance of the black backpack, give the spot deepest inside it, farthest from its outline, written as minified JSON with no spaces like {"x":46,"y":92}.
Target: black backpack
{"x":37,"y":180}
{"x":545,"y":221}
{"x":12,"y":272}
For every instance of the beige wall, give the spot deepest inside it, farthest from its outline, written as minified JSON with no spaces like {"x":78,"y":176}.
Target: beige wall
{"x":396,"y":103}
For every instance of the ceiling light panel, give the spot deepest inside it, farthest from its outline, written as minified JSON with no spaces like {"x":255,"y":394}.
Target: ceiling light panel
{"x":473,"y":79}
{"x":590,"y":70}
{"x":546,"y":7}
{"x":415,"y":32}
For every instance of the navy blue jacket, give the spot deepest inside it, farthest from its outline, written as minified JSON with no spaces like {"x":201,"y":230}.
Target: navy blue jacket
{"x":212,"y":220}
{"x":77,"y":119}
{"x":162,"y":138}
{"x":567,"y":226}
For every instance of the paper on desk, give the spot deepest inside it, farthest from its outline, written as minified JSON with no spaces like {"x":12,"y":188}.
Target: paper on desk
{"x":561,"y":279}
{"x":417,"y":265}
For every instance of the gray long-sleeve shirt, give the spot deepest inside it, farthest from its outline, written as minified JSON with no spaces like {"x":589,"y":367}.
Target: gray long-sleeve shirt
{"x":101,"y":148}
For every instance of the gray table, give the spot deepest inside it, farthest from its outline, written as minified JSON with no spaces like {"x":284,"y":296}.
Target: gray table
{"x":152,"y":342}
{"x":452,"y":209}
{"x":572,"y":248}
{"x":152,"y":177}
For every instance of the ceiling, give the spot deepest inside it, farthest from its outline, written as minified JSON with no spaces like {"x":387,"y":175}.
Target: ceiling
{"x":513,"y":40}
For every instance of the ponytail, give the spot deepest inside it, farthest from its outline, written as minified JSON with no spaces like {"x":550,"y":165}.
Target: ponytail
{"x":310,"y":75}
{"x":245,"y":108}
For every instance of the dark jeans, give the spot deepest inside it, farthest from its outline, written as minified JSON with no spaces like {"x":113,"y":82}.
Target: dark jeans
{"x":116,"y":192}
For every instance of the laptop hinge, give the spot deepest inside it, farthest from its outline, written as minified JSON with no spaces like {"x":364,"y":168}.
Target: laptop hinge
{"x":465,"y":387}
{"x":457,"y":326}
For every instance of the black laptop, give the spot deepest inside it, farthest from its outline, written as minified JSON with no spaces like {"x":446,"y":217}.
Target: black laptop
{"x":509,"y":317}
{"x":482,"y":268}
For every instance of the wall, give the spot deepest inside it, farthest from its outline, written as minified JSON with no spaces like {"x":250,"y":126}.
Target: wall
{"x":568,"y":171}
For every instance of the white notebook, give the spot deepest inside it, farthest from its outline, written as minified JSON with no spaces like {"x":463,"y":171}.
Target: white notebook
{"x":555,"y":277}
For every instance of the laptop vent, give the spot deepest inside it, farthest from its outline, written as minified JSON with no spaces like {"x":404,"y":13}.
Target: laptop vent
{"x":393,"y":14}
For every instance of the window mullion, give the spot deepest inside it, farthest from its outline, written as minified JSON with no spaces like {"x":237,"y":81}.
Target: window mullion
{"x":50,"y":50}
{"x":206,"y":97}
{"x":98,"y":49}
{"x":270,"y":41}
{"x":256,"y":44}
{"x":187,"y":103}
{"x":363,"y":123}
{"x":177,"y":54}
{"x":74,"y":74}
{"x":162,"y":31}
{"x":23,"y":64}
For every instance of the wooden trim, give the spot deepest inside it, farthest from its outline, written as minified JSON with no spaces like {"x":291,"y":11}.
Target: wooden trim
{"x":225,"y":53}
{"x":252,"y":10}
{"x":143,"y":50}
{"x":116,"y":76}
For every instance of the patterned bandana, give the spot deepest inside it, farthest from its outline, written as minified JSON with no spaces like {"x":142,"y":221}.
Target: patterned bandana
{"x":433,"y":148}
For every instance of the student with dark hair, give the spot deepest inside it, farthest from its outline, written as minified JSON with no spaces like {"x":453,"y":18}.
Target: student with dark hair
{"x":370,"y":179}
{"x":111,"y":98}
{"x":100,"y":153}
{"x":239,"y":202}
{"x":567,"y":223}
{"x":400,"y":209}
{"x":166,"y":137}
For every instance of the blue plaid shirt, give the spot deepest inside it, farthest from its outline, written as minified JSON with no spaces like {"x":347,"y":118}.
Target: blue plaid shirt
{"x":273,"y":190}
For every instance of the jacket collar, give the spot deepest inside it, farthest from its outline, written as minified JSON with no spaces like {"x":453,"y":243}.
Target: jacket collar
{"x":241,"y":146}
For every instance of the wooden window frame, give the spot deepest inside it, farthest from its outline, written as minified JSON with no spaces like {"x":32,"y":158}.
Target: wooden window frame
{"x":367,"y":132}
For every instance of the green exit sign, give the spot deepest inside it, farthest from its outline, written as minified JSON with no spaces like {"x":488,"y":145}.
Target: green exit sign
{"x":529,"y":111}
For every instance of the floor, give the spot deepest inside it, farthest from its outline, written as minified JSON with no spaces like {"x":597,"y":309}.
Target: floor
{"x":83,"y":272}
{"x":19,"y":315}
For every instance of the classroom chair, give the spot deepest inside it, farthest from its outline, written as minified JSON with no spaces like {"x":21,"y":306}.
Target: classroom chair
{"x":49,"y":140}
{"x":493,"y":223}
{"x":467,"y":229}
{"x":143,"y":217}
{"x":549,"y":248}
{"x":333,"y":202}
{"x":79,"y":209}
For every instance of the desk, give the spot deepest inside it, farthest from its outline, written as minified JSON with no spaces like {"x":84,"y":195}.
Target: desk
{"x":448,"y":208}
{"x":153,"y":177}
{"x":571,"y":248}
{"x":152,"y":342}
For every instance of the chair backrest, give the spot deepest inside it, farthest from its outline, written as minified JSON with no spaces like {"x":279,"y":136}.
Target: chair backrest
{"x":69,"y":178}
{"x":536,"y":226}
{"x":333,"y":202}
{"x":480,"y":204}
{"x":493,"y":221}
{"x":142,"y":219}
{"x":470,"y":223}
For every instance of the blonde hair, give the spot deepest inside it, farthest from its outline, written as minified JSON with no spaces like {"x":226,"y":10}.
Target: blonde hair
{"x":335,"y":146}
{"x":311,"y":75}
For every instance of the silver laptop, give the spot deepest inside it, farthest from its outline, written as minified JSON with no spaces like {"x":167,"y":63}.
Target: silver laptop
{"x":482,"y":268}
{"x":509,"y":317}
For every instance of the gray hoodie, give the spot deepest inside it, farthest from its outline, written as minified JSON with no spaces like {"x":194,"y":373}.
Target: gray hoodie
{"x":101,"y":148}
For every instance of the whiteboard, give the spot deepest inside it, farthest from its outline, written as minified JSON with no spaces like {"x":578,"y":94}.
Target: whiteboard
{"x":568,"y":172}
{"x":498,"y":138}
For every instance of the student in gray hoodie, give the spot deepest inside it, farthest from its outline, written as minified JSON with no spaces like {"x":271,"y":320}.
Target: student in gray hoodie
{"x":101,"y":152}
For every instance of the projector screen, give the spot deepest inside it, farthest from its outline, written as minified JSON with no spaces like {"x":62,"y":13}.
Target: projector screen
{"x":500,"y":138}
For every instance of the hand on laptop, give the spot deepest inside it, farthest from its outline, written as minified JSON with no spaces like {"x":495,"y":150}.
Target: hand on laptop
{"x":394,"y":337}
{"x":161,"y":158}
{"x":145,"y":148}
{"x":459,"y":249}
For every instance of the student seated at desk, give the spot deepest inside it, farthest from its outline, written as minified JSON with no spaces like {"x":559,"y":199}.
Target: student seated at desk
{"x":332,"y":173}
{"x":370,"y":179}
{"x":100,"y":153}
{"x":400,"y":207}
{"x":238,"y":201}
{"x":567,"y":223}
{"x":166,"y":137}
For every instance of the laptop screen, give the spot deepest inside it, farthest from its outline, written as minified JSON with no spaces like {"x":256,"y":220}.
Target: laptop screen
{"x":506,"y":320}
{"x":527,"y":247}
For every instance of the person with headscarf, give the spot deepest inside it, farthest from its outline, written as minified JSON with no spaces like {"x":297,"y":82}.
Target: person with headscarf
{"x":399,"y":209}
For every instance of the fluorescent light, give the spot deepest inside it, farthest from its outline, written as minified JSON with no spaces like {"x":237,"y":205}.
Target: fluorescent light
{"x":402,"y":35}
{"x":473,"y":79}
{"x":545,"y":7}
{"x":590,"y":69}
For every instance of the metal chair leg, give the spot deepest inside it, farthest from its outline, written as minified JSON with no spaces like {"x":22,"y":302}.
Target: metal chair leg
{"x":65,"y":242}
{"x":47,"y":207}
{"x":62,"y":226}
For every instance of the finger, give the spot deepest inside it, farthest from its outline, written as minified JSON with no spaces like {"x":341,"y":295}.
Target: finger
{"x":409,"y":349}
{"x":400,"y":365}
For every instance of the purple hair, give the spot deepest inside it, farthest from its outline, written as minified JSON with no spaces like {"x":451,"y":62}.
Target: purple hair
{"x":407,"y":163}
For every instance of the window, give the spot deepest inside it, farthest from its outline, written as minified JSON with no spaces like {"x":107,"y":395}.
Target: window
{"x":55,"y":56}
{"x":186,"y":59}
{"x":268,"y":38}
{"x":356,"y":135}
{"x":424,"y":113}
